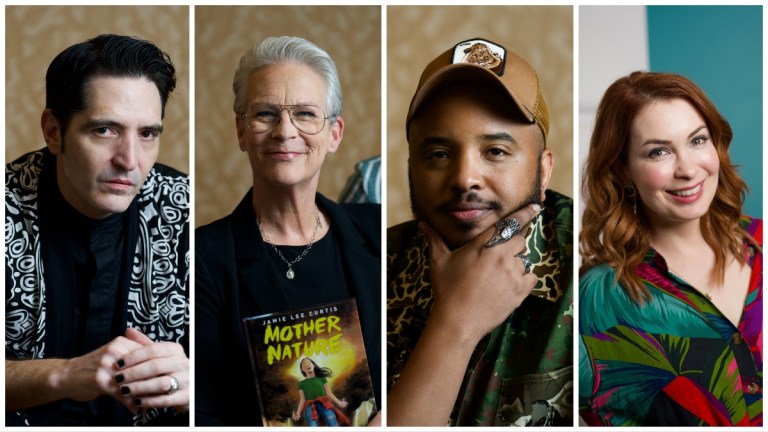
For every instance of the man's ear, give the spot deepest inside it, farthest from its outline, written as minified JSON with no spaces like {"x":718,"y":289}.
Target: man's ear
{"x":547,"y":162}
{"x":51,"y":131}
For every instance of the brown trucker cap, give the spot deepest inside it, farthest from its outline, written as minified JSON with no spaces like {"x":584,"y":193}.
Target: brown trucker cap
{"x":481,"y":61}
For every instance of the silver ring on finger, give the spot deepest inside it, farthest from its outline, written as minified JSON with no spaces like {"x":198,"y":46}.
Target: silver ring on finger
{"x":505,"y":229}
{"x":174,"y":387}
{"x":527,"y":264}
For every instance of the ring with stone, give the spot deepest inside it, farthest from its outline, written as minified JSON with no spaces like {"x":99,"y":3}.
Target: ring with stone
{"x":527,"y":264}
{"x":505,"y":229}
{"x":174,"y":387}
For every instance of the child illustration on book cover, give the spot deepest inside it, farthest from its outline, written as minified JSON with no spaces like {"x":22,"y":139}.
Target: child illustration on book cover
{"x":303,"y":359}
{"x":316,"y":398}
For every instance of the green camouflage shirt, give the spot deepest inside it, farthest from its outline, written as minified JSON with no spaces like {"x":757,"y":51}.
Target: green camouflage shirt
{"x":522,"y":372}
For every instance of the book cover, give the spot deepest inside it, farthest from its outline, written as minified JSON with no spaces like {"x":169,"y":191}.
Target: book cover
{"x":311,"y":367}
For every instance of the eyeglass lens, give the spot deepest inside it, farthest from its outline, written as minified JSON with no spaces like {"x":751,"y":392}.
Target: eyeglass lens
{"x":309,"y":119}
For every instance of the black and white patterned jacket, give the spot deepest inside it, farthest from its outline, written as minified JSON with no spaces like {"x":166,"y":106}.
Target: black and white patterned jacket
{"x":158,"y":296}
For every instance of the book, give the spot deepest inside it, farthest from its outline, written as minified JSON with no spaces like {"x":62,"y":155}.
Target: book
{"x":310,"y":366}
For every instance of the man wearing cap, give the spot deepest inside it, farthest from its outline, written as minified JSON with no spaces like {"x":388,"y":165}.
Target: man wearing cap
{"x":479,"y":290}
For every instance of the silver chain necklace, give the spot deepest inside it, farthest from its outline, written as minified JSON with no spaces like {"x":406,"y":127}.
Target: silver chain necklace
{"x":290,"y":273}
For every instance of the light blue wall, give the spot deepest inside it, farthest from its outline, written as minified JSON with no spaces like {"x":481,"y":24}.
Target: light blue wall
{"x":720,"y":49}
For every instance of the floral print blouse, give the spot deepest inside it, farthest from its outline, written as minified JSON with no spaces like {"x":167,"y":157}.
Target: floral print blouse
{"x":674,"y":360}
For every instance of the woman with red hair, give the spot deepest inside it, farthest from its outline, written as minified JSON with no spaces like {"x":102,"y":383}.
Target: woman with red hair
{"x":670,"y":292}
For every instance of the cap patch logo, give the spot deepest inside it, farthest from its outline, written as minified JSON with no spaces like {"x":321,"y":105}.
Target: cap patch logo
{"x":482,"y":53}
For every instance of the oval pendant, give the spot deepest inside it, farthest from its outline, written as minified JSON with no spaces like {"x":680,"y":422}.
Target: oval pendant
{"x":289,"y":273}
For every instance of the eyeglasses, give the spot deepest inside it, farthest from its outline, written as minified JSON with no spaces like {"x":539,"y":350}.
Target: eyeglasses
{"x":308,"y":119}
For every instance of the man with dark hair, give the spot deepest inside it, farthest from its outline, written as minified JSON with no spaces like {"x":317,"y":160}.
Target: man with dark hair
{"x":479,"y":328}
{"x":97,"y":249}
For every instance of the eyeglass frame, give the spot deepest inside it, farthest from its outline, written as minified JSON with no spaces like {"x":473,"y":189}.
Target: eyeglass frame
{"x":290,"y":115}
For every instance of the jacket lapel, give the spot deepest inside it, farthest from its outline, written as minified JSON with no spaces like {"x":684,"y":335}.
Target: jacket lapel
{"x":257,"y":277}
{"x":361,"y":266}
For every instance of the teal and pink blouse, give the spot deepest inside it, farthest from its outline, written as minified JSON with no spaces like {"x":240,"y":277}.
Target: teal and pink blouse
{"x":674,"y":360}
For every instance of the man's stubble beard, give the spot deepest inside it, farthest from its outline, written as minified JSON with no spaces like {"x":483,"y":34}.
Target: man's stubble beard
{"x":533,"y":197}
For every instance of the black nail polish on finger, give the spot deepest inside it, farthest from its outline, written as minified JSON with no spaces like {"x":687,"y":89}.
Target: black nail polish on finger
{"x":137,"y":402}
{"x":119,"y":378}
{"x":125,"y":390}
{"x":120,"y":363}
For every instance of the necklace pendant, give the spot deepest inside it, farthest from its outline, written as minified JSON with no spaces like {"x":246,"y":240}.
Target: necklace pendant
{"x":289,"y":274}
{"x":709,"y":296}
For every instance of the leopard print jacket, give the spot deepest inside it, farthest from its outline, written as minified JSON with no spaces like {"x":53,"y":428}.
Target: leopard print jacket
{"x":520,"y":374}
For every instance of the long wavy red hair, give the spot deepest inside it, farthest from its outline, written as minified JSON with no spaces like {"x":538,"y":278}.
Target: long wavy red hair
{"x":612,"y":232}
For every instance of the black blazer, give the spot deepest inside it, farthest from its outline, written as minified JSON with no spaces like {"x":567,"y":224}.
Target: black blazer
{"x":234,"y":280}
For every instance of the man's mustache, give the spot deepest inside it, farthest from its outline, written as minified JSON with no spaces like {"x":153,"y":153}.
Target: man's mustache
{"x":468,"y":200}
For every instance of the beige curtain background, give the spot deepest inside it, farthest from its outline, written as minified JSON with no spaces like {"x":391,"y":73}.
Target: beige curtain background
{"x":351,"y":34}
{"x":34,"y":35}
{"x":543,"y":35}
{"x":352,"y":37}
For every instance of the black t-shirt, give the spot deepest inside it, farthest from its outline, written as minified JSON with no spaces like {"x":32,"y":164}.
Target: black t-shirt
{"x":318,"y":277}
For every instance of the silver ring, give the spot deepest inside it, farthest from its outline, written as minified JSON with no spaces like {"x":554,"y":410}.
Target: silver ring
{"x":505,"y":229}
{"x":174,"y":386}
{"x":527,"y":264}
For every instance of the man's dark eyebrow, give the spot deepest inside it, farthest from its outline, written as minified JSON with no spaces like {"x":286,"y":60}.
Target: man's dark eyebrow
{"x":98,"y":123}
{"x":501,"y":136}
{"x":441,"y":140}
{"x":434,"y":139}
{"x":156,"y":128}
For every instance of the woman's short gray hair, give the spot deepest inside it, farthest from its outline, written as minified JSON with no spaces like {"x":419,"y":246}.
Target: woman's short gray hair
{"x":288,"y":49}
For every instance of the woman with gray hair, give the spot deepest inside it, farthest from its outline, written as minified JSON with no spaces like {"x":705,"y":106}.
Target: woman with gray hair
{"x":285,"y":246}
